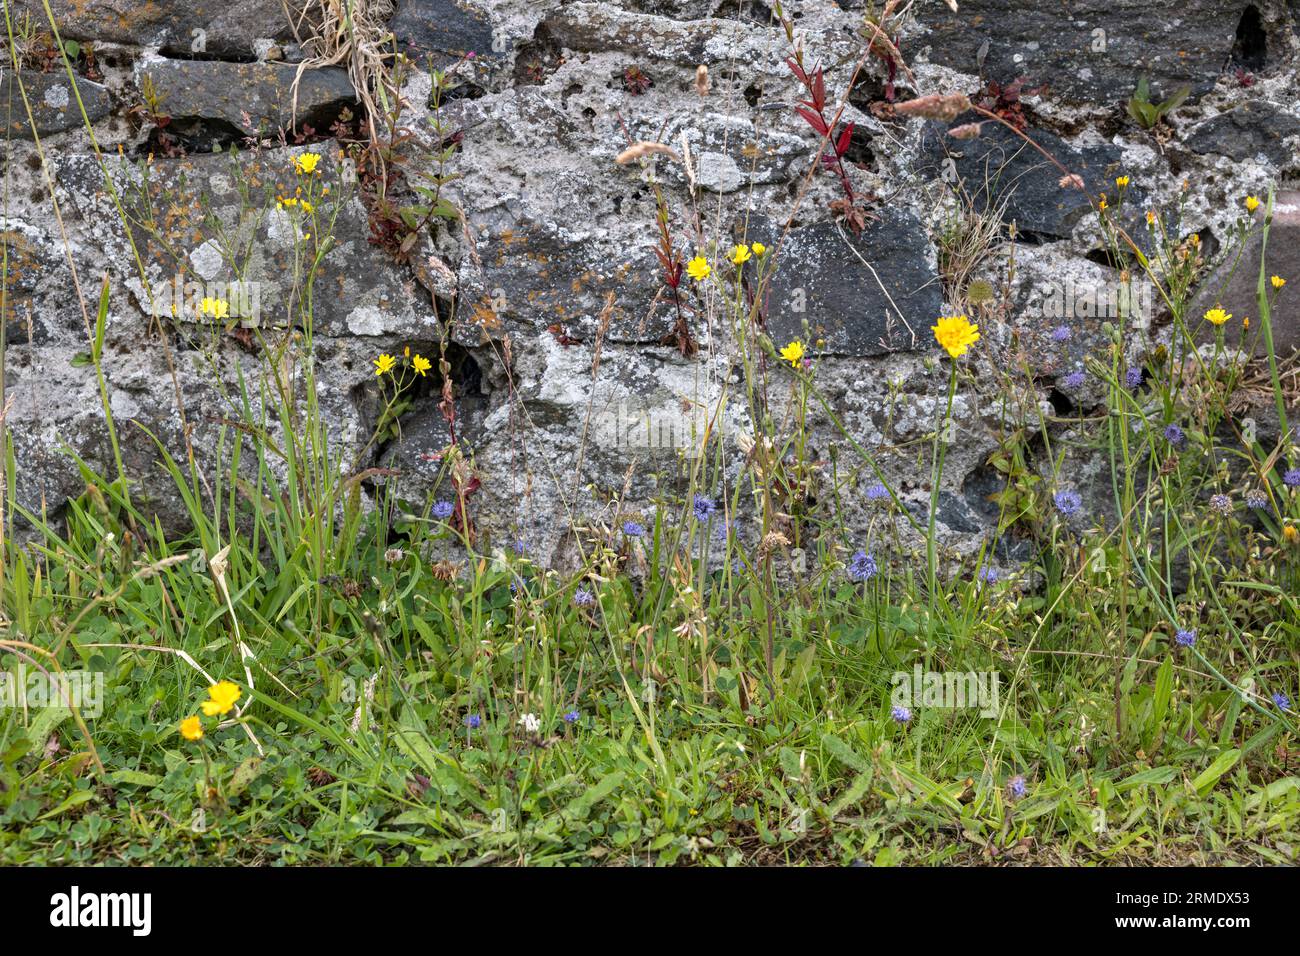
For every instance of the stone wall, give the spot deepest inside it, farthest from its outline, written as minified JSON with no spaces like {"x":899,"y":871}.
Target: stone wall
{"x":556,"y":252}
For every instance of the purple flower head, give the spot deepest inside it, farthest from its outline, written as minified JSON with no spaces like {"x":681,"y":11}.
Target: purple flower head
{"x":1075,"y":379}
{"x":1221,"y":504}
{"x":572,"y":717}
{"x":1068,"y":502}
{"x":877,"y":492}
{"x":583,"y":598}
{"x":900,"y":714}
{"x":1061,"y":333}
{"x":862,"y":566}
{"x":1282,"y":700}
{"x":1133,"y":377}
{"x":443,"y":510}
{"x":1016,"y":786}
{"x":1185,"y":638}
{"x":989,"y":574}
{"x":519,"y":547}
{"x":703,"y":507}
{"x":633,"y":529}
{"x":1256,"y":499}
{"x":473,"y":721}
{"x":1174,"y":435}
{"x":1291,"y":477}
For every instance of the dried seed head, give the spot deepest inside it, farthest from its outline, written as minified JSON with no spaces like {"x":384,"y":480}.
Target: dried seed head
{"x":702,"y":80}
{"x":640,"y":150}
{"x":966,"y":131}
{"x":1071,"y":181}
{"x":946,"y":107}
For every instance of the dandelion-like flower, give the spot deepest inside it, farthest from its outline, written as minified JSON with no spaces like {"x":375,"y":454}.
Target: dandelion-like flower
{"x":862,"y":566}
{"x":760,"y":250}
{"x":214,"y":308}
{"x":530,"y":723}
{"x":1016,"y":785}
{"x":1185,"y":638}
{"x":1217,"y":316}
{"x":956,"y":334}
{"x":384,"y":364}
{"x":703,"y":507}
{"x":442,"y":510}
{"x":698,"y":268}
{"x":1068,"y":502}
{"x":633,"y":529}
{"x":900,"y":714}
{"x":221,"y":698}
{"x":1252,"y":203}
{"x":1282,"y":700}
{"x":793,"y":353}
{"x":1121,"y":181}
{"x":305,"y":164}
{"x":740,"y":255}
{"x":1221,"y":504}
{"x":421,"y":364}
{"x":1174,"y":435}
{"x":1277,"y":281}
{"x":1291,"y":477}
{"x":192,"y":728}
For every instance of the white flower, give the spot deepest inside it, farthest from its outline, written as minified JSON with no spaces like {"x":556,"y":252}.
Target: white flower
{"x":530,"y":723}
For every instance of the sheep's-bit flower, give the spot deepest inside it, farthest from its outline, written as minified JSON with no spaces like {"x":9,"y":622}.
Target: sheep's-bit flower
{"x":473,"y":721}
{"x":698,"y":268}
{"x":1217,"y":316}
{"x":1133,"y":377}
{"x":191,"y":728}
{"x":1016,"y":785}
{"x":583,"y":598}
{"x":1282,"y":700}
{"x":633,"y":529}
{"x":1185,"y":638}
{"x":442,"y":510}
{"x":703,"y":507}
{"x":989,"y":574}
{"x":1174,"y":435}
{"x":740,"y":255}
{"x":1277,"y":281}
{"x":216,"y":308}
{"x":222,"y":696}
{"x":1221,"y":504}
{"x":1075,"y":379}
{"x":956,"y":334}
{"x":1252,"y":203}
{"x":1256,"y":499}
{"x":420,"y":363}
{"x":384,"y":364}
{"x":793,"y":352}
{"x":1291,"y":477}
{"x":900,"y":714}
{"x":862,"y":567}
{"x":877,"y":492}
{"x":572,"y":717}
{"x":305,"y":164}
{"x":1061,"y":333}
{"x":1067,"y":502}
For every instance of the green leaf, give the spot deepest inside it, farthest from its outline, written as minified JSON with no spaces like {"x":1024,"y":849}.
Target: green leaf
{"x":1204,"y":783}
{"x":76,"y":800}
{"x":244,"y":774}
{"x":134,"y":778}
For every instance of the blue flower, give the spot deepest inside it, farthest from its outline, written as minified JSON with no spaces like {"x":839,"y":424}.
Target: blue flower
{"x":1016,"y":786}
{"x":1174,"y":435}
{"x":473,"y":721}
{"x":633,"y":529}
{"x":443,"y":509}
{"x":1256,"y":499}
{"x":583,"y":598}
{"x":1221,"y":504}
{"x":1185,"y":638}
{"x":900,"y":714}
{"x":1133,"y":377}
{"x":1061,"y":333}
{"x":862,"y":567}
{"x":877,"y":492}
{"x":1075,"y":379}
{"x":989,"y":574}
{"x":1282,"y":700}
{"x":703,"y":507}
{"x":1291,"y":477}
{"x":1068,"y":503}
{"x":572,"y":717}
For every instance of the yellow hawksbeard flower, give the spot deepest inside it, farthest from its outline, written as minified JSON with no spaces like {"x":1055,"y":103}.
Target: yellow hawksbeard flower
{"x":1277,"y":281}
{"x":793,"y":353}
{"x":306,"y":163}
{"x":1217,"y":316}
{"x":384,"y":364}
{"x":217,"y":308}
{"x":420,"y":363}
{"x":758,"y":248}
{"x":222,"y":696}
{"x":1121,"y":181}
{"x":191,"y":729}
{"x":740,"y":255}
{"x":698,"y":268}
{"x":956,"y":334}
{"x":1252,"y":203}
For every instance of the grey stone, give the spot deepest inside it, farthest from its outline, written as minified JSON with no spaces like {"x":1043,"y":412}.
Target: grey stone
{"x":1086,"y":51}
{"x":1247,"y":131}
{"x":53,"y":104}
{"x":251,"y":98}
{"x":442,"y":29}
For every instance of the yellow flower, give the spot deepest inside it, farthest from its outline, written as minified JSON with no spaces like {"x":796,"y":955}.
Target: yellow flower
{"x":1101,"y":204}
{"x":698,"y":268}
{"x":758,"y":248}
{"x":956,"y":333}
{"x":191,"y":728}
{"x":1290,"y":533}
{"x":1151,"y":218}
{"x":1278,"y":282}
{"x":217,"y":308}
{"x":223,"y":695}
{"x":1245,"y":322}
{"x":420,"y":363}
{"x":384,"y":364}
{"x":282,"y":202}
{"x":1252,"y":203}
{"x":306,"y":163}
{"x":1217,"y":316}
{"x":792,"y":353}
{"x":1121,"y":181}
{"x":740,"y":255}
{"x":307,"y":207}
